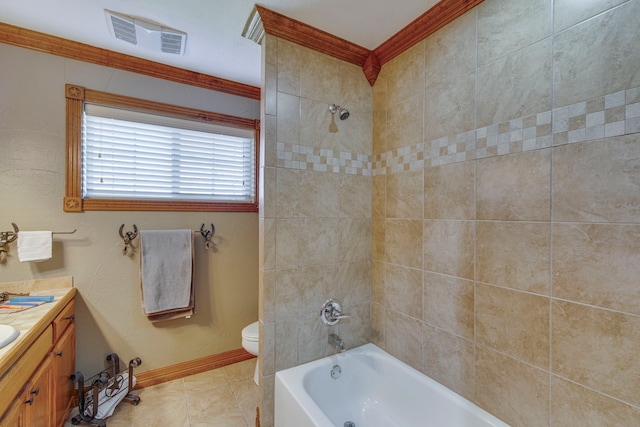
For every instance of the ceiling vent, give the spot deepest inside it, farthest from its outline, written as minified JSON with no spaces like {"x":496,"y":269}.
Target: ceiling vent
{"x":145,"y":34}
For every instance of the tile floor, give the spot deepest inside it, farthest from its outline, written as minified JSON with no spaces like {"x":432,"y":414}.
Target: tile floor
{"x":223,"y":397}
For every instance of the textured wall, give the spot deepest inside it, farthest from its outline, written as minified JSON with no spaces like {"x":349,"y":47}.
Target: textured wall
{"x":316,"y":212}
{"x":32,"y":163}
{"x":506,"y":210}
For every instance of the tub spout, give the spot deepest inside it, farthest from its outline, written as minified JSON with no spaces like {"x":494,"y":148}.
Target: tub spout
{"x":336,"y":342}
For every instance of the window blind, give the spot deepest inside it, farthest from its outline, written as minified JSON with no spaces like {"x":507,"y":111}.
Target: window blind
{"x":133,"y":155}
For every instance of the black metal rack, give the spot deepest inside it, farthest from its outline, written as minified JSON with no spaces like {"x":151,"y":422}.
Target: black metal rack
{"x":107,"y":384}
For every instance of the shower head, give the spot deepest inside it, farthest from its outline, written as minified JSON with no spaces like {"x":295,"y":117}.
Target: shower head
{"x":343,"y":113}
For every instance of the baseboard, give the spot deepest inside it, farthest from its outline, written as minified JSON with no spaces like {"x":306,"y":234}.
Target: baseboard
{"x":184,"y":369}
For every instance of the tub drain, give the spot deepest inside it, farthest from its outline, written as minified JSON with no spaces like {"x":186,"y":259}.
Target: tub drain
{"x":349,"y":424}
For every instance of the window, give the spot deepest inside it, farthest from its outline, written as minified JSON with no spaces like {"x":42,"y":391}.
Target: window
{"x":129,"y":154}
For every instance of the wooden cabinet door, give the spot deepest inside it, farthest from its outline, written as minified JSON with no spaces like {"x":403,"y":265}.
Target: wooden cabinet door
{"x":40,"y":397}
{"x":65,"y":366}
{"x":16,"y":415}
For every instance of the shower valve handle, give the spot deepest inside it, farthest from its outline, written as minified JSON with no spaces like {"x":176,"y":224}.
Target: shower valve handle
{"x":331,"y":312}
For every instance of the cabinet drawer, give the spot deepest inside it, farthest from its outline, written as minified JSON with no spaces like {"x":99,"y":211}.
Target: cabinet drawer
{"x":64,"y":319}
{"x":19,"y":374}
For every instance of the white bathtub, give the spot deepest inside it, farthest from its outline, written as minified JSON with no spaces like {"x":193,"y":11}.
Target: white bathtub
{"x":374,"y":389}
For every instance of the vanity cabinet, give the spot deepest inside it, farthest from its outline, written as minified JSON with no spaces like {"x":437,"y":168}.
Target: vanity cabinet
{"x":37,"y":391}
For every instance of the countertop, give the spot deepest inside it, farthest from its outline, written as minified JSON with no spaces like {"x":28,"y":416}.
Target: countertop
{"x":31,"y":323}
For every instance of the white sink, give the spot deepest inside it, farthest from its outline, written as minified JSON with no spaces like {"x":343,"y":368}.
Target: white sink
{"x":7,"y":334}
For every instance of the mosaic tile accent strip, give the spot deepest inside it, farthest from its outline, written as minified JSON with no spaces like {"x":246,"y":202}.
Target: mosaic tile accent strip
{"x":607,"y":116}
{"x":293,"y":156}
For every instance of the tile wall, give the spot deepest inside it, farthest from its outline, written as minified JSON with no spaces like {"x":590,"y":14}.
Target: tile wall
{"x":315,"y":217}
{"x":506,"y":210}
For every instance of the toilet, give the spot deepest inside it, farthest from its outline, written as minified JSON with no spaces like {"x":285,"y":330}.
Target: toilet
{"x":250,"y":342}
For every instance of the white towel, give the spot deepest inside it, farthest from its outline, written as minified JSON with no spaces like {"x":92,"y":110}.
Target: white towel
{"x":167,"y":268}
{"x":34,"y":246}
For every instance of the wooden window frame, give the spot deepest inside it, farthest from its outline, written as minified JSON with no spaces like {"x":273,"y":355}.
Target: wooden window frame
{"x":76,"y":96}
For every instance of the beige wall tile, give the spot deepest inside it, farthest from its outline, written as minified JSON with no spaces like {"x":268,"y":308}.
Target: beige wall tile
{"x":379,"y":94}
{"x":403,"y":242}
{"x":355,"y":90}
{"x":514,"y":187}
{"x":448,"y":247}
{"x":268,"y":246}
{"x":504,"y":27}
{"x":318,"y":194}
{"x":514,"y":323}
{"x":403,"y":290}
{"x":287,"y":243}
{"x":568,"y":12}
{"x":449,"y":191}
{"x":403,"y":338}
{"x":320,"y":77}
{"x":354,"y":238}
{"x":607,"y":345}
{"x":266,"y":349}
{"x":268,"y":198}
{"x":514,"y":254}
{"x":573,"y":405}
{"x":378,"y":239}
{"x":268,"y":152}
{"x":405,"y":75}
{"x":377,"y":282}
{"x":513,"y":391}
{"x":318,"y":244}
{"x":303,"y":291}
{"x":449,"y":360}
{"x":598,"y":181}
{"x":286,"y":343}
{"x":267,"y":388}
{"x":355,"y":283}
{"x":404,"y":195}
{"x":313,"y":338}
{"x":356,"y":330}
{"x":379,"y":129}
{"x":355,"y":196}
{"x":356,"y":132}
{"x":289,"y":61}
{"x":287,"y":193}
{"x":288,"y":118}
{"x":318,"y":127}
{"x":378,"y":318}
{"x":379,"y":195}
{"x":515,"y":86}
{"x":450,"y":106}
{"x":405,"y":122}
{"x":450,"y":52}
{"x":449,"y":304}
{"x":268,"y":300}
{"x":597,"y":264}
{"x":597,"y":57}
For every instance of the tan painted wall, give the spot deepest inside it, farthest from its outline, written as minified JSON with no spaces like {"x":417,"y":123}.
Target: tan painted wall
{"x":32,"y":161}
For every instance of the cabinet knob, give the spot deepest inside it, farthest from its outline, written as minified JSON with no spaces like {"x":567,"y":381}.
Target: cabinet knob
{"x":71,"y":318}
{"x":59,"y":354}
{"x":36,"y":391}
{"x":29,"y":402}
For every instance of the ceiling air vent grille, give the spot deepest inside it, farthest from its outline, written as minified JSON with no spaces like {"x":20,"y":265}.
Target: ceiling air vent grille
{"x":146,"y":34}
{"x":173,"y":42}
{"x":124,"y":29}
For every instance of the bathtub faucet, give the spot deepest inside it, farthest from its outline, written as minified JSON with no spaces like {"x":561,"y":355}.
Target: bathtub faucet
{"x":336,"y":342}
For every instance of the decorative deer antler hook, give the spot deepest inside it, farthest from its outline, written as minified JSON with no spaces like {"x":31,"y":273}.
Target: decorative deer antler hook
{"x":128,"y":237}
{"x":7,"y":237}
{"x":207,"y":236}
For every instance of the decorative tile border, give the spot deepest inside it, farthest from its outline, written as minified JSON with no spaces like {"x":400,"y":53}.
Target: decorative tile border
{"x":607,"y":116}
{"x":293,"y":156}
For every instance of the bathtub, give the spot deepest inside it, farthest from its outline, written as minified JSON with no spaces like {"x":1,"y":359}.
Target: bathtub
{"x":371,"y":389}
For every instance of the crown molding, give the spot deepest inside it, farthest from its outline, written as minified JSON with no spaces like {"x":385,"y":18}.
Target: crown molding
{"x":426,"y":24}
{"x":371,"y":61}
{"x":29,"y":39}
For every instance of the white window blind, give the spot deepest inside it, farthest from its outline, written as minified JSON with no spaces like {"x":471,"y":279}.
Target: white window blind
{"x":132,"y":155}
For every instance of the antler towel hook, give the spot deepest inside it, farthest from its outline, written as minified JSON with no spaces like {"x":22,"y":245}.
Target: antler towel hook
{"x":7,"y":237}
{"x":207,"y":236}
{"x":128,"y":237}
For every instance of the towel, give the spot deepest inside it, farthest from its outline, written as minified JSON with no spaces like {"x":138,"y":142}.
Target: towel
{"x":167,"y":273}
{"x":34,"y":246}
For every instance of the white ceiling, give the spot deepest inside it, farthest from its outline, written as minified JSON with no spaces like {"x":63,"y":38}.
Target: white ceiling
{"x":214,"y":27}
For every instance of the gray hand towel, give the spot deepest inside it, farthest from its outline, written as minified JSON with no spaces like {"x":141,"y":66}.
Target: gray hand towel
{"x":167,"y":269}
